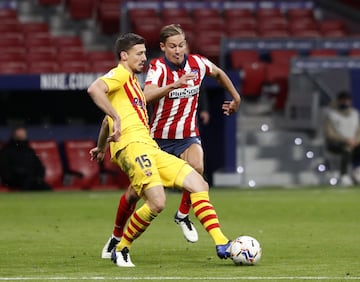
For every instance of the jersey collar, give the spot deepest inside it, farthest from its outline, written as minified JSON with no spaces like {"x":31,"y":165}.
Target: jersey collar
{"x":174,"y":67}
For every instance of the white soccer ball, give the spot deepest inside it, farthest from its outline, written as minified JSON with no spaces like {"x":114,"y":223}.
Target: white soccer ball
{"x":245,"y":250}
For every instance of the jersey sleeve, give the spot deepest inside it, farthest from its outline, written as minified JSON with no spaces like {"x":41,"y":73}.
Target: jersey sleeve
{"x":155,"y":74}
{"x":112,"y":80}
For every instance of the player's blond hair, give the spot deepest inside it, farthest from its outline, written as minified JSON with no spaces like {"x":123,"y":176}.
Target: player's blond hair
{"x":170,"y":30}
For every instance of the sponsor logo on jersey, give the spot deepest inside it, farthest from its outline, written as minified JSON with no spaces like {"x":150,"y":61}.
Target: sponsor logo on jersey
{"x":184,"y":92}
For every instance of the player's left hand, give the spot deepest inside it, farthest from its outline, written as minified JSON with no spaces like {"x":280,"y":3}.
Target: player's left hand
{"x":230,"y":107}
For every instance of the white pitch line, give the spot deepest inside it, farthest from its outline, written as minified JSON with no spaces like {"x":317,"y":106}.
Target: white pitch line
{"x":160,"y":278}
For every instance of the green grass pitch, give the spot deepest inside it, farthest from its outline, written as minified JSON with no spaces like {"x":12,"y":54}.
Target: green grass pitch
{"x":306,"y":234}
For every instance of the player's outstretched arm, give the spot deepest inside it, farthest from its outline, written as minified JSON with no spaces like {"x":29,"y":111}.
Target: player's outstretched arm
{"x":223,"y":79}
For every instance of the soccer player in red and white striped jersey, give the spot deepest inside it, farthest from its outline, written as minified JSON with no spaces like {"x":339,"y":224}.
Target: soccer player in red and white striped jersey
{"x":173,"y":86}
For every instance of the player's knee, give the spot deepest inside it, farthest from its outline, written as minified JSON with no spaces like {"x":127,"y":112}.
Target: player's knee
{"x":157,"y":207}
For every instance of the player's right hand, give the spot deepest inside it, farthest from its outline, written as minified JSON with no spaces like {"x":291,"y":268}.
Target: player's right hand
{"x":96,"y":154}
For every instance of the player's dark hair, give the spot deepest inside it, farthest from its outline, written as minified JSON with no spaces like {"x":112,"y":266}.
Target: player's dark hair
{"x":126,"y":41}
{"x":170,"y":30}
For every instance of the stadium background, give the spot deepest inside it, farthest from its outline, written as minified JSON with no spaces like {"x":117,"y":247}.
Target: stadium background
{"x":283,"y":56}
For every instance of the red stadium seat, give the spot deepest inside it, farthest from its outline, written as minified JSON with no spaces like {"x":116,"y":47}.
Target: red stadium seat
{"x":102,"y":66}
{"x":253,"y":78}
{"x":240,"y":57}
{"x":274,"y":33}
{"x":282,"y":56}
{"x":186,"y":23}
{"x":8,"y":14}
{"x":45,"y":53}
{"x":17,"y":67}
{"x":267,"y":13}
{"x":39,"y":40}
{"x":323,"y":53}
{"x":11,"y":39}
{"x":81,"y":9}
{"x":67,"y":42}
{"x":332,"y":28}
{"x":277,"y":75}
{"x":49,"y":154}
{"x":300,"y":13}
{"x":32,"y":27}
{"x":210,"y":25}
{"x":66,"y":55}
{"x":41,"y":67}
{"x":149,"y":28}
{"x":101,"y":55}
{"x":171,"y":13}
{"x":205,"y":13}
{"x":237,"y":14}
{"x":234,"y":33}
{"x":84,"y":172}
{"x":274,"y":23}
{"x":108,"y":17}
{"x":208,"y":45}
{"x":74,"y":67}
{"x":354,"y":53}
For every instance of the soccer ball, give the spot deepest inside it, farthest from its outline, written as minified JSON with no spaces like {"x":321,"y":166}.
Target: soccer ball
{"x":245,"y":250}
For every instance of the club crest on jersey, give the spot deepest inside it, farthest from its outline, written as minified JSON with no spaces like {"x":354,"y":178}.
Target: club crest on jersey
{"x":184,"y":92}
{"x":196,"y":73}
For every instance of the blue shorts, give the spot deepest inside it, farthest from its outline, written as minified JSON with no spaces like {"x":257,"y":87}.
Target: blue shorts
{"x":177,"y":146}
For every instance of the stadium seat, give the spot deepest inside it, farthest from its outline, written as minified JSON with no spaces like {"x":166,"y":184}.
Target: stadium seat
{"x":32,"y":27}
{"x":240,"y":57}
{"x":277,"y":77}
{"x":273,"y":23}
{"x":204,"y":13}
{"x":43,"y":54}
{"x":186,"y":23}
{"x":237,"y":14}
{"x":102,"y":66}
{"x":209,"y":25}
{"x":323,"y":53}
{"x":149,"y":28}
{"x":354,"y":53}
{"x":299,"y":13}
{"x":41,"y":67}
{"x":81,"y":171}
{"x":253,"y":76}
{"x":108,"y":17}
{"x":174,"y":13}
{"x":11,"y":39}
{"x":67,"y":42}
{"x":274,"y":33}
{"x":40,"y":40}
{"x":6,"y":14}
{"x":267,"y":13}
{"x":282,"y":56}
{"x":13,"y":68}
{"x":208,"y":44}
{"x":81,"y":9}
{"x":49,"y":154}
{"x":74,"y":67}
{"x":333,"y":28}
{"x":101,"y":55}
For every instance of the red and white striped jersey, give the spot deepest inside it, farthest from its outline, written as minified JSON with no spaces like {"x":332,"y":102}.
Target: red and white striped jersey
{"x":174,"y":115}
